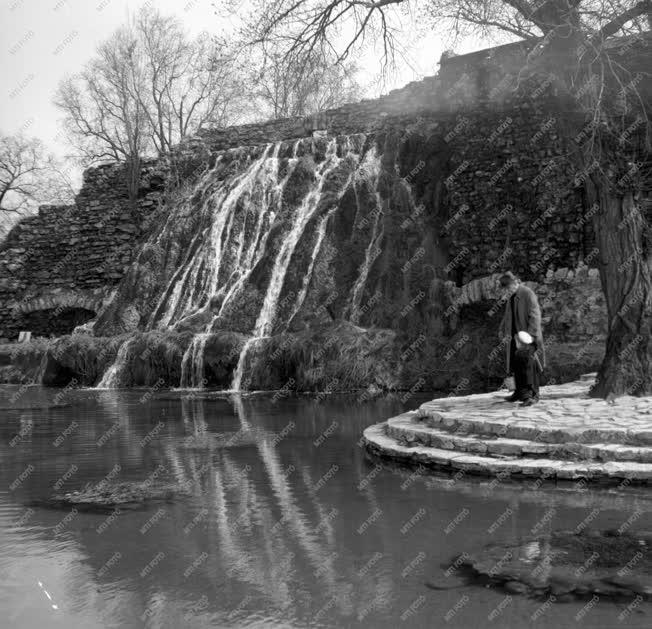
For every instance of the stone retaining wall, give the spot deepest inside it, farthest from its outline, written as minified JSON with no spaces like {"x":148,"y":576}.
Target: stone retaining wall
{"x":508,"y":198}
{"x":572,"y":304}
{"x":71,"y":256}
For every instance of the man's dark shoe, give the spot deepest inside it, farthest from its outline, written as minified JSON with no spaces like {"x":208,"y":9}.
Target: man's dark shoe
{"x":513,"y":398}
{"x":529,"y":401}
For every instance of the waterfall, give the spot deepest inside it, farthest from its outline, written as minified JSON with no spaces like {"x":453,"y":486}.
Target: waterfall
{"x":371,"y":253}
{"x":112,"y":377}
{"x":40,"y":373}
{"x":198,"y":278}
{"x":259,"y":240}
{"x":239,"y":371}
{"x":369,"y":171}
{"x":192,"y":364}
{"x":265,"y":321}
{"x":304,"y":214}
{"x":321,"y":232}
{"x":241,"y":246}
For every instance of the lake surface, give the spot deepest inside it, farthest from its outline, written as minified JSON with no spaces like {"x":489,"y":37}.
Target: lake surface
{"x":285,"y":523}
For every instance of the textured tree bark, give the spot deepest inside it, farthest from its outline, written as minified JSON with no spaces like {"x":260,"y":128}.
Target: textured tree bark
{"x":132,"y":177}
{"x":623,"y":238}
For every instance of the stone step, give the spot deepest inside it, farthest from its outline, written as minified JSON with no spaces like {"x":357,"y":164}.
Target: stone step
{"x":550,"y":421}
{"x":380,"y":443}
{"x":405,"y":430}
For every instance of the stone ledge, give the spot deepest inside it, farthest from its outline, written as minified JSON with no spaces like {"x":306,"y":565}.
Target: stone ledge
{"x":567,"y":435}
{"x":403,"y":429}
{"x":379,"y":443}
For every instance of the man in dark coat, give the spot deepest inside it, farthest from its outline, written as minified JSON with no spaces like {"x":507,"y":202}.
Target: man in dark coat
{"x":526,"y":370}
{"x":522,"y":313}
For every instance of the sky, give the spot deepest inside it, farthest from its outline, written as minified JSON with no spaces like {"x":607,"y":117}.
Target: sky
{"x":45,"y":40}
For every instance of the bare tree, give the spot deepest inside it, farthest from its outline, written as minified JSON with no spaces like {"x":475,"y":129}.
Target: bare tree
{"x":147,"y":87}
{"x":285,"y":85}
{"x":29,"y":176}
{"x":104,"y":119}
{"x":608,"y":93}
{"x":188,"y":83}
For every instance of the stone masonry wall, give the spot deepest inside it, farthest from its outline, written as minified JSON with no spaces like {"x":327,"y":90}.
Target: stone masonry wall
{"x":508,"y":199}
{"x":573,"y":308}
{"x":68,"y":258}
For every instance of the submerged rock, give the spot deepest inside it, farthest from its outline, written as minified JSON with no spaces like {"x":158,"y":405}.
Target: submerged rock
{"x":105,"y":496}
{"x":565,"y":565}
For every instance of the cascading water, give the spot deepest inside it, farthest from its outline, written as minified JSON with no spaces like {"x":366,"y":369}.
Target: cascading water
{"x":258,"y":243}
{"x":112,"y":376}
{"x":370,"y":169}
{"x":192,"y":364}
{"x":40,"y":374}
{"x":252,"y":229}
{"x":199,"y":279}
{"x":263,"y":173}
{"x":305,"y":212}
{"x":321,"y":232}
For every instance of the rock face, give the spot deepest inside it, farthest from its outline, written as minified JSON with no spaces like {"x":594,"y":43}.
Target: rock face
{"x":112,"y":497}
{"x":397,"y":219}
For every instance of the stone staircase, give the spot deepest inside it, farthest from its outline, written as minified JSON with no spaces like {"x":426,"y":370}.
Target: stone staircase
{"x":567,"y":435}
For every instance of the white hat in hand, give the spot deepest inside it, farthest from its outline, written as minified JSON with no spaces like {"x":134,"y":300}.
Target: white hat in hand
{"x":525,"y":338}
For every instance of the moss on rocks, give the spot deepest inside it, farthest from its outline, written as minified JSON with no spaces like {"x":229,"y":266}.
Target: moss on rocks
{"x":78,"y":357}
{"x":20,"y":363}
{"x":155,"y":358}
{"x":341,"y":357}
{"x":104,"y":496}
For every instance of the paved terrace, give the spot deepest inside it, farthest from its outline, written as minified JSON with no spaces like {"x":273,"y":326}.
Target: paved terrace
{"x":567,"y":435}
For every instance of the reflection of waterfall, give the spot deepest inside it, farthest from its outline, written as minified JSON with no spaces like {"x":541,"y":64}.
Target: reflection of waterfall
{"x":112,"y":377}
{"x":319,"y":555}
{"x":293,"y":522}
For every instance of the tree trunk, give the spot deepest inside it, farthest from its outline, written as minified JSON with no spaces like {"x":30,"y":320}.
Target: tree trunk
{"x":623,"y":239}
{"x":132,"y":177}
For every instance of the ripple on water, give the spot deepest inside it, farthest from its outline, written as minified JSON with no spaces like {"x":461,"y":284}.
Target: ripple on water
{"x":289,"y":525}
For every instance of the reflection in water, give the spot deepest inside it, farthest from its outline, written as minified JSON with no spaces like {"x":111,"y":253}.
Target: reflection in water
{"x":286,"y":522}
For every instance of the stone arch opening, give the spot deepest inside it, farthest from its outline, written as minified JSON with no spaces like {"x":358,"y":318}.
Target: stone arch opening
{"x":56,"y":321}
{"x":57,"y":312}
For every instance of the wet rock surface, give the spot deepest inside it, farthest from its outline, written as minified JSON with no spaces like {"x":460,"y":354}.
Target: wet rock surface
{"x":106,"y":496}
{"x":564,"y":565}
